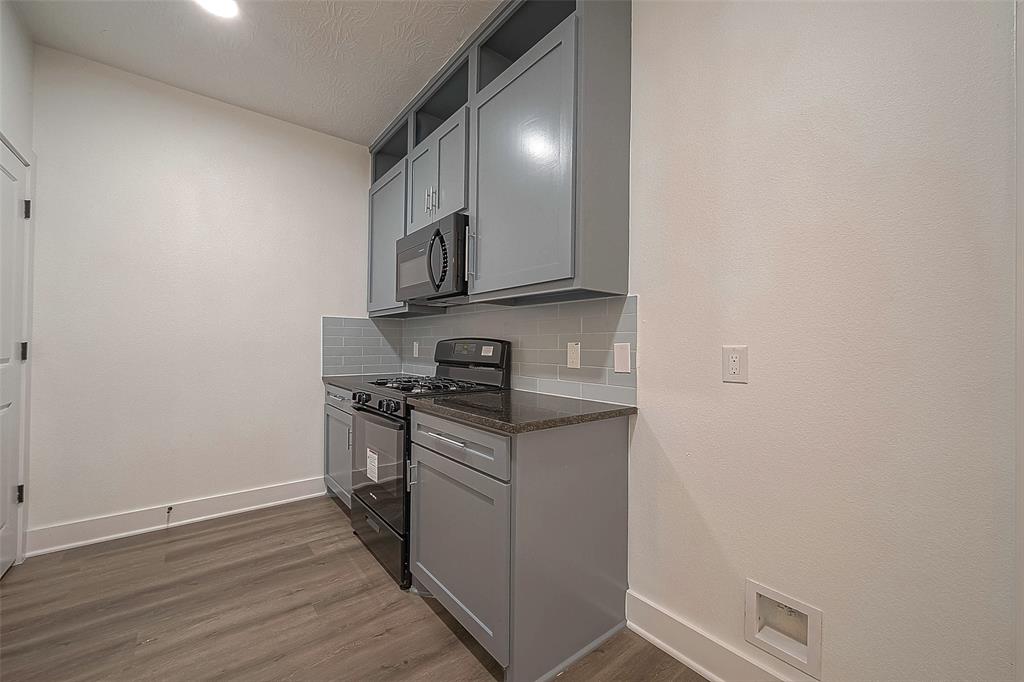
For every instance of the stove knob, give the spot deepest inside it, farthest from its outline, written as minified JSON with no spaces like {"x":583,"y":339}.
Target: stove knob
{"x":361,"y":398}
{"x":392,"y":406}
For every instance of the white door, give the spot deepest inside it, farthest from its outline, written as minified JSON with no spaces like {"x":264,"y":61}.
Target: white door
{"x":12,"y":272}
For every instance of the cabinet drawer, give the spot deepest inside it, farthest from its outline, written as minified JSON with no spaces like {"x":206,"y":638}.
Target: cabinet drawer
{"x":480,"y":450}
{"x":340,"y":398}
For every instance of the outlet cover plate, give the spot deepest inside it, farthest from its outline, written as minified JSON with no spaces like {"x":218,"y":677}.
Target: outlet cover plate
{"x":572,"y":351}
{"x":734,"y":364}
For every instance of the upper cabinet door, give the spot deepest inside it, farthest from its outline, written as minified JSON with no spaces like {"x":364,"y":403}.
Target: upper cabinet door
{"x":452,"y":164}
{"x":437,"y":173}
{"x":422,"y":184}
{"x":521,"y":168}
{"x":387,"y":226}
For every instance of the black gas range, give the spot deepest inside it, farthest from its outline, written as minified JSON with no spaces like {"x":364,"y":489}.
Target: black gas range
{"x":381,"y":445}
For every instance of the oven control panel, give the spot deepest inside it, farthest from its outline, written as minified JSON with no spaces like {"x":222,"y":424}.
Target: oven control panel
{"x":490,"y":352}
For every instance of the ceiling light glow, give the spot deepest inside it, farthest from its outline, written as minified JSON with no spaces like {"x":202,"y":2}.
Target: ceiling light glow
{"x":220,"y":8}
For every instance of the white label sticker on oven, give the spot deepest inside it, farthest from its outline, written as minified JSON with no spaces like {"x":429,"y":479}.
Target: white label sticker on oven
{"x":371,"y":465}
{"x":487,"y":351}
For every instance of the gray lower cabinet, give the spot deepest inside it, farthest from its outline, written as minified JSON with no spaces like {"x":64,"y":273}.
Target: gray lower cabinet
{"x":523,"y":538}
{"x":387,"y":226}
{"x":460,"y":545}
{"x":522,"y":168}
{"x":438,"y":168}
{"x":338,"y":453}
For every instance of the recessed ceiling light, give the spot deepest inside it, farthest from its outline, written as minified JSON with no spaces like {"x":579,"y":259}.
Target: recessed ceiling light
{"x":222,"y":8}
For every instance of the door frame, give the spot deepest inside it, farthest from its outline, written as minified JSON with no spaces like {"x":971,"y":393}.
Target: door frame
{"x":28,"y":160}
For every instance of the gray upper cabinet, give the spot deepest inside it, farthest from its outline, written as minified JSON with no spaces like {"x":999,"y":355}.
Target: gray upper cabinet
{"x":387,"y":225}
{"x":422,"y":182}
{"x":460,"y":544}
{"x":522,"y":165}
{"x":526,"y":129}
{"x":437,"y":173}
{"x":452,"y":165}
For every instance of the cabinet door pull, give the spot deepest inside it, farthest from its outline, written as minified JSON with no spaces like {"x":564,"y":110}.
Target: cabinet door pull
{"x":466,"y":270}
{"x":410,"y":467}
{"x":426,"y":201}
{"x":451,"y":441}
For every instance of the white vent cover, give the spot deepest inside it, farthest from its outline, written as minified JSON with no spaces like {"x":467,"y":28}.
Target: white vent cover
{"x":785,"y":627}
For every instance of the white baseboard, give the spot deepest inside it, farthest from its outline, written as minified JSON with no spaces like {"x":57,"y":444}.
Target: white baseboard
{"x":101,"y":528}
{"x":698,"y":650}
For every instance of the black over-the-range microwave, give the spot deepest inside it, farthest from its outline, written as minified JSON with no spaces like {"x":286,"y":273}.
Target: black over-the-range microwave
{"x":432,"y":261}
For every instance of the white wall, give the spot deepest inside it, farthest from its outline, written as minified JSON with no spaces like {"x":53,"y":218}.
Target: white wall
{"x":832,"y":184}
{"x":15,"y":80}
{"x":185,"y":252}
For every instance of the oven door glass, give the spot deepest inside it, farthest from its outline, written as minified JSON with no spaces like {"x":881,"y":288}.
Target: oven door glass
{"x":378,"y":465}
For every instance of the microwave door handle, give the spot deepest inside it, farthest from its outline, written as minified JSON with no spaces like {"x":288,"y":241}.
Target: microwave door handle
{"x":430,"y":262}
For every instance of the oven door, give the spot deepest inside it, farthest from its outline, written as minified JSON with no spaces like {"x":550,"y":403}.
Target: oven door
{"x":378,"y":465}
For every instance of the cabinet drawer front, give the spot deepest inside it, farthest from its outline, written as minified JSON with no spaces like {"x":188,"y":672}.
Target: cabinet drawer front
{"x":340,"y":398}
{"x":481,"y":450}
{"x":460,"y":545}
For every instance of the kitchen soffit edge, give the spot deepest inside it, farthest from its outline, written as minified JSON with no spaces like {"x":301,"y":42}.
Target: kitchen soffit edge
{"x":344,"y":68}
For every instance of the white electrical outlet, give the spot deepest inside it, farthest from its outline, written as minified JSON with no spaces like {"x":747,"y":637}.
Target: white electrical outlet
{"x":573,"y":351}
{"x":620,"y":354}
{"x":734,"y":364}
{"x":415,"y":349}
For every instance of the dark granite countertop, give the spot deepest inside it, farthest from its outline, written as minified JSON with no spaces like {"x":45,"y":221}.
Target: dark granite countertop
{"x":518,"y":411}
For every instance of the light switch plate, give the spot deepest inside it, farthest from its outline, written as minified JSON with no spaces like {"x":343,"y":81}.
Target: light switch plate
{"x":623,"y":365}
{"x":415,"y":349}
{"x":573,"y":352}
{"x":734,"y":364}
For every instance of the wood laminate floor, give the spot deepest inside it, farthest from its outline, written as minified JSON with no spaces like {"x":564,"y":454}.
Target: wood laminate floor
{"x":286,"y":593}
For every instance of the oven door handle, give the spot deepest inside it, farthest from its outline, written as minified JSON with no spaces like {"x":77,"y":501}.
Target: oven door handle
{"x":386,"y":421}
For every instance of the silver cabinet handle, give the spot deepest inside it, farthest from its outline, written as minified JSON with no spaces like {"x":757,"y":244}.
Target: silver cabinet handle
{"x":426,"y":201}
{"x":466,"y":246}
{"x":470,"y":253}
{"x":337,"y":397}
{"x":451,"y":441}
{"x":350,"y":439}
{"x":436,"y":201}
{"x":409,"y":469}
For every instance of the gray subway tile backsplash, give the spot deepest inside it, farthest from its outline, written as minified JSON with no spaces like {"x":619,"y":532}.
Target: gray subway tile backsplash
{"x":538,"y":333}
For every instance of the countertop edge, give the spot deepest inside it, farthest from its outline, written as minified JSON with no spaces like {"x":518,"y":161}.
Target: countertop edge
{"x":512,"y":429}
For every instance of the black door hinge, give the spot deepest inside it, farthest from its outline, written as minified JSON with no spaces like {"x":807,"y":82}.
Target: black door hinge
{"x":24,"y":351}
{"x":28,"y":209}
{"x":21,"y":493}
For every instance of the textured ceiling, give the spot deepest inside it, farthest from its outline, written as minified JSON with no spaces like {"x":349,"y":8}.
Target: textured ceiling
{"x":345,"y":68}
